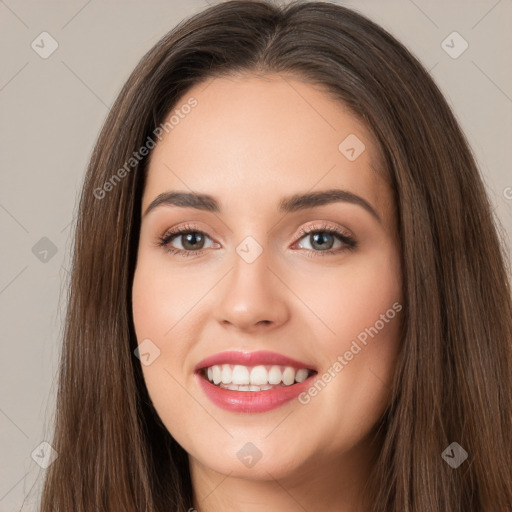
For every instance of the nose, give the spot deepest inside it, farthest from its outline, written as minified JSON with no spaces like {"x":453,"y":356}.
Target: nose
{"x":253,"y":297}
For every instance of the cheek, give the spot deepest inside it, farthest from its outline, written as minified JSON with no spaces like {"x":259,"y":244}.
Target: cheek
{"x":161,"y":296}
{"x":160,"y":302}
{"x":349,"y":299}
{"x":163,"y":303}
{"x":359,"y":350}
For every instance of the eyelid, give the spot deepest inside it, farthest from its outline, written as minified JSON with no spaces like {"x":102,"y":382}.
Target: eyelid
{"x":323,"y":226}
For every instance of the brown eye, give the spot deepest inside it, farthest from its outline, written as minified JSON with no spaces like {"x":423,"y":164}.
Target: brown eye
{"x":191,"y":239}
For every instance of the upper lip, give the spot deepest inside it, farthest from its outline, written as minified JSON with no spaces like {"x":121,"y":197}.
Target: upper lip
{"x":261,"y":357}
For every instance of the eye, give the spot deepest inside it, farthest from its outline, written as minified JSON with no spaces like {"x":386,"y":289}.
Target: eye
{"x":192,"y":240}
{"x":321,"y":238}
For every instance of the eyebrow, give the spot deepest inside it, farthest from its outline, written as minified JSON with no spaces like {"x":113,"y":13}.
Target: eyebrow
{"x":295,"y":203}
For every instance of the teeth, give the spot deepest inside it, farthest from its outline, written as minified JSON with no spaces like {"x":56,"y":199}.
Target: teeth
{"x":217,"y":374}
{"x":256,"y":378}
{"x":288,"y":376}
{"x":234,"y":387}
{"x":274,"y":375}
{"x":226,"y":374}
{"x":240,"y":375}
{"x":301,"y":375}
{"x":259,"y":375}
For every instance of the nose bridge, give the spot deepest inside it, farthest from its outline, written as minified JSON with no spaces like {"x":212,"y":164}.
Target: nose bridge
{"x":252,"y":294}
{"x":251,"y":263}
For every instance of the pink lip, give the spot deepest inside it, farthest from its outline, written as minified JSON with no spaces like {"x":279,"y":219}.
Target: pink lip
{"x":251,"y":359}
{"x":251,"y":401}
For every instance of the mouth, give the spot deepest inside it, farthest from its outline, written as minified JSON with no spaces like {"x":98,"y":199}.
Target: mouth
{"x":254,"y":378}
{"x":252,"y":381}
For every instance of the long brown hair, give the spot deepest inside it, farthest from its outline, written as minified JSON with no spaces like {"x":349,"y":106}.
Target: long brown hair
{"x":453,"y":381}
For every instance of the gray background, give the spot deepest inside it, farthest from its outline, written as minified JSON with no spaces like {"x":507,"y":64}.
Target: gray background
{"x":52,"y":110}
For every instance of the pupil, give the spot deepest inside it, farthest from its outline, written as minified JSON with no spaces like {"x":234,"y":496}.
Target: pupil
{"x":190,"y":238}
{"x":321,"y":240}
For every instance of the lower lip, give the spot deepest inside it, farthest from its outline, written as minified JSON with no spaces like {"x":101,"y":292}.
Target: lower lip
{"x":252,"y":401}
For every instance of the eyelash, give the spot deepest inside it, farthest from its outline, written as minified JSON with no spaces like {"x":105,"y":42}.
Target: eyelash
{"x":351,"y":244}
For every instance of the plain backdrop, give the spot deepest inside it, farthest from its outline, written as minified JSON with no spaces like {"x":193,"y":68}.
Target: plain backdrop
{"x":53,"y":108}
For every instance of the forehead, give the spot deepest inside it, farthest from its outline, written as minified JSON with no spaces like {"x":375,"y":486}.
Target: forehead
{"x":251,"y":139}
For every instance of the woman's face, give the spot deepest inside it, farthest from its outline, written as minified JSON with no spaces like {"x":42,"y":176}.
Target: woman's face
{"x":247,"y":288}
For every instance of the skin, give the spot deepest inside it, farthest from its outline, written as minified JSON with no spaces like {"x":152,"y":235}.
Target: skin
{"x":249,"y":142}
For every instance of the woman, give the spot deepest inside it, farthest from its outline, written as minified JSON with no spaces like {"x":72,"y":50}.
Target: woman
{"x":288,"y":292}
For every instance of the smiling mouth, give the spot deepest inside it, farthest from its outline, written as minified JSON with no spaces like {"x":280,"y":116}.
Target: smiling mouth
{"x":235,"y":377}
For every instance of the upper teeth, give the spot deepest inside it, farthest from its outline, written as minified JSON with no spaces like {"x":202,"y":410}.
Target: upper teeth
{"x":255,"y":375}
